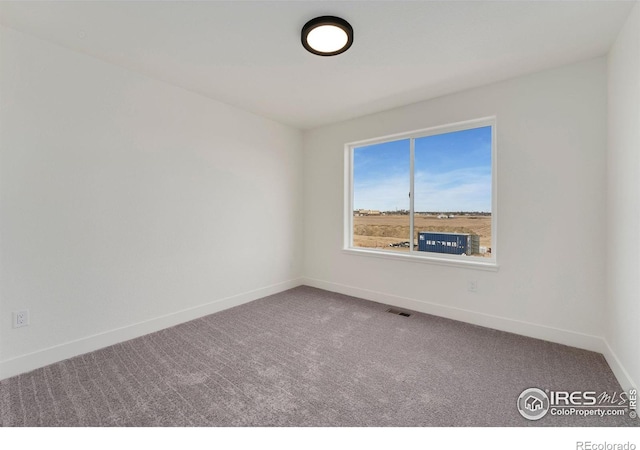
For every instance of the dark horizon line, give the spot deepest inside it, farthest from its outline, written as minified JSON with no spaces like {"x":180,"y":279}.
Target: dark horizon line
{"x":427,"y":212}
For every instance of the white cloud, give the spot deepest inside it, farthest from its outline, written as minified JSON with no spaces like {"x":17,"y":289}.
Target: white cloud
{"x":466,"y":189}
{"x":387,"y":195}
{"x":460,"y":190}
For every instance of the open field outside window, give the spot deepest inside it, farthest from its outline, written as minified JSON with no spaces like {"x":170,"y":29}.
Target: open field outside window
{"x":428,"y":193}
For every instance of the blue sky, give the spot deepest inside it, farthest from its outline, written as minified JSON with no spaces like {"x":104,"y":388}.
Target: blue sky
{"x":452,"y":173}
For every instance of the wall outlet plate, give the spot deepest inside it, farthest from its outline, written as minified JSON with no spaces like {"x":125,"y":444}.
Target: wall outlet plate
{"x":20,"y":318}
{"x":472,"y":286}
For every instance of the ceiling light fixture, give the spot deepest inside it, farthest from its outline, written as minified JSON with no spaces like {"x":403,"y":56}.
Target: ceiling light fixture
{"x":327,"y":36}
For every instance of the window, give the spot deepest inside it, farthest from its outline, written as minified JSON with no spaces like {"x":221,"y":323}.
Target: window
{"x":428,"y":194}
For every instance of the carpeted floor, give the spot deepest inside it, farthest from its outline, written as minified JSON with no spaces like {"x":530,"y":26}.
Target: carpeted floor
{"x":308,"y":357}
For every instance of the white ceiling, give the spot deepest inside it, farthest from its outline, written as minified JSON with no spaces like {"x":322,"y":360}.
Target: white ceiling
{"x":248,"y":54}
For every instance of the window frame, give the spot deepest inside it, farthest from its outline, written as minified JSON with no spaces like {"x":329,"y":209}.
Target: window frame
{"x":485,"y":263}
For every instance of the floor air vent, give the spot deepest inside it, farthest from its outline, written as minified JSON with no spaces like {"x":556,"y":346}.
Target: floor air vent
{"x":397,"y":312}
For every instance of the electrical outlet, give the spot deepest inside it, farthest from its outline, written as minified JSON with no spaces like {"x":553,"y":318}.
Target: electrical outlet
{"x":21,"y":318}
{"x":472,"y":286}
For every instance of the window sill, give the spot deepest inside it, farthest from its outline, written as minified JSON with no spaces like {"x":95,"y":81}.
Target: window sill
{"x":453,"y":262}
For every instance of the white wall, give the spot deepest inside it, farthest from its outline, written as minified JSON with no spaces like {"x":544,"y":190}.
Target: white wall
{"x":125,"y":200}
{"x":551,"y":142}
{"x":623,"y":199}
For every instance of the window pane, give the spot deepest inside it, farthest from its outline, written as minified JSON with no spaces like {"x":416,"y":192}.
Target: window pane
{"x":381,"y":196}
{"x":452,"y":185}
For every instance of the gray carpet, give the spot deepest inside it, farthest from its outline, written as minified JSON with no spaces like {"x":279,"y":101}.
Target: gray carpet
{"x":307,"y":357}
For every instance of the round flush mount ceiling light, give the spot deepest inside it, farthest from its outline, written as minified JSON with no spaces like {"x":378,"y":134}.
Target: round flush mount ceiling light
{"x":327,"y":36}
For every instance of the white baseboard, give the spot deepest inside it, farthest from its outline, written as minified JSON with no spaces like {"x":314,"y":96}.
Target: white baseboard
{"x":560,"y":336}
{"x":41,"y":358}
{"x":618,"y":369}
{"x":557,"y":335}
